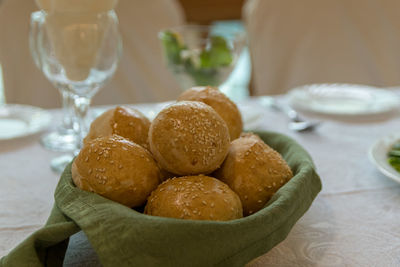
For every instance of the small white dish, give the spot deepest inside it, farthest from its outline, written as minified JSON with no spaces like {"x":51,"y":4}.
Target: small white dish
{"x":378,"y":156}
{"x":346,"y":100}
{"x":252,"y":115}
{"x":22,"y":120}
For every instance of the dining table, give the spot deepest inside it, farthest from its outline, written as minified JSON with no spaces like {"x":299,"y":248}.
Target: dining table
{"x":354,"y":221}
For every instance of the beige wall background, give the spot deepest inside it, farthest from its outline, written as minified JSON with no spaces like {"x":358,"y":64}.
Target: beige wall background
{"x":293,"y":43}
{"x":141,"y":75}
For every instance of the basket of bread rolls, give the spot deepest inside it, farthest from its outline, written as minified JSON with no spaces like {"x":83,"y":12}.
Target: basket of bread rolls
{"x":188,"y":188}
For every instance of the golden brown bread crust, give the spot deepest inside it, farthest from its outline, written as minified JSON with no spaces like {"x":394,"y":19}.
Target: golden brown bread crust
{"x":189,"y":138}
{"x":117,"y":169}
{"x":228,"y":110}
{"x":254,"y":171}
{"x":124,"y":121}
{"x":195,"y":198}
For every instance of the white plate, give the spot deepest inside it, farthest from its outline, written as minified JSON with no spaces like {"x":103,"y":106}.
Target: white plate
{"x":252,"y":115}
{"x":378,"y":156}
{"x":21,"y":120}
{"x":343,"y":99}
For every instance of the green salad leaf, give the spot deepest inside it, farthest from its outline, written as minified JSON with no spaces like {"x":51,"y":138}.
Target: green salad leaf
{"x":201,"y":76}
{"x":395,"y":163}
{"x":172,"y":47}
{"x":218,"y":55}
{"x":394,"y":156}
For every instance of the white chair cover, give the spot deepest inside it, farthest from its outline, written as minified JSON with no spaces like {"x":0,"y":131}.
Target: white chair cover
{"x":141,"y":76}
{"x":323,"y":41}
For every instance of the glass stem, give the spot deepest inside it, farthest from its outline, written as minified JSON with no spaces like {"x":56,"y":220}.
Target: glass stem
{"x":68,"y":110}
{"x":81,"y":106}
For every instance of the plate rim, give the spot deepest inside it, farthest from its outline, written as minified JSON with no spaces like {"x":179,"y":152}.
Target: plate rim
{"x":303,"y":88}
{"x":42,"y":126}
{"x":395,"y":176}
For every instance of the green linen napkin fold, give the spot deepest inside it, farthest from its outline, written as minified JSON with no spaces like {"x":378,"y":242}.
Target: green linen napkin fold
{"x":124,"y":237}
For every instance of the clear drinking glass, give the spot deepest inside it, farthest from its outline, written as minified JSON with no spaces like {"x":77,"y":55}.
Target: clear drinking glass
{"x":201,"y":55}
{"x":78,"y":53}
{"x":64,"y":138}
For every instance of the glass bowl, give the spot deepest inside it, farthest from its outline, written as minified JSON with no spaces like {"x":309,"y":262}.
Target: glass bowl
{"x":201,"y":55}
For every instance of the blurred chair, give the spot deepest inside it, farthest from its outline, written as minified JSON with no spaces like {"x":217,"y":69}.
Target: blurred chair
{"x":293,"y":43}
{"x":141,"y":75}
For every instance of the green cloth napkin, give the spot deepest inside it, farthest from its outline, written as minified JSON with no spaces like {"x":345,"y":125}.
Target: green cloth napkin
{"x":124,"y":237}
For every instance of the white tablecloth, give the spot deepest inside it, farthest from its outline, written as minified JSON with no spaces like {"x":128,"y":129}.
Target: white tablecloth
{"x":353,"y":222}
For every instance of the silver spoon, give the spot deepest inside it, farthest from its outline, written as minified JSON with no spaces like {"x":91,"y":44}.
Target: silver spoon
{"x":296,"y":123}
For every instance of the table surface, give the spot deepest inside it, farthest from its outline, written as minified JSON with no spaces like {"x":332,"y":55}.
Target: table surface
{"x":354,"y":221}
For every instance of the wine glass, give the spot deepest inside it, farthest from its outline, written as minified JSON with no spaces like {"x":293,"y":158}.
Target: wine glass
{"x":201,"y":55}
{"x":64,"y":138}
{"x":78,"y":53}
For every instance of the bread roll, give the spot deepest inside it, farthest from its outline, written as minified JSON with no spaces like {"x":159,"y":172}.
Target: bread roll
{"x":189,"y":138}
{"x":126,"y":122}
{"x":254,"y":171}
{"x":194,"y":198}
{"x":228,"y":110}
{"x":117,"y":169}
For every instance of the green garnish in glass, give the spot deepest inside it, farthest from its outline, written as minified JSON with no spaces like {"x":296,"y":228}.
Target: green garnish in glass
{"x":202,"y":66}
{"x":172,"y":47}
